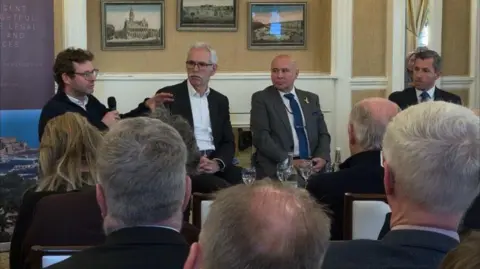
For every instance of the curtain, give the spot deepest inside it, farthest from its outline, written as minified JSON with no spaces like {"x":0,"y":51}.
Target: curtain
{"x":417,"y":19}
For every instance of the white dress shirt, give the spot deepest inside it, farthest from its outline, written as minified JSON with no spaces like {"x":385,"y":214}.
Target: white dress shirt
{"x":430,"y":92}
{"x":201,"y":118}
{"x":80,"y":103}
{"x":286,"y":102}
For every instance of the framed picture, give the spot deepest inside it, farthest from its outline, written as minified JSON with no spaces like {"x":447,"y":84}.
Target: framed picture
{"x":207,"y":15}
{"x":277,"y":26}
{"x":133,"y":25}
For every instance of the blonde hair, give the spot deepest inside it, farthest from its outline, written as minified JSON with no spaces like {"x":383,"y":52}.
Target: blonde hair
{"x":68,"y":144}
{"x":466,"y":255}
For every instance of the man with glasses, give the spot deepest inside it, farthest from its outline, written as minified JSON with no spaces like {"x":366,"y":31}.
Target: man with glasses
{"x":75,"y":75}
{"x":208,"y":113}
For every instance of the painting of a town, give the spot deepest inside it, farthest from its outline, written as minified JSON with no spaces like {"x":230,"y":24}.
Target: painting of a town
{"x":277,"y":26}
{"x":133,"y":25}
{"x":18,"y":163}
{"x":207,"y":15}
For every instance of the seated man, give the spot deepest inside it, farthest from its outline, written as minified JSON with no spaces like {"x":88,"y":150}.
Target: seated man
{"x":285,"y":119}
{"x":142,"y":193}
{"x":431,"y":163}
{"x":263,"y":225}
{"x":362,"y":172}
{"x":208,"y":113}
{"x":427,"y":69}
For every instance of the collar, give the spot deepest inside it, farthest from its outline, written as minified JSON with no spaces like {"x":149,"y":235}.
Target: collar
{"x":420,"y":239}
{"x":193,"y":92}
{"x":145,"y":235}
{"x":430,"y":92}
{"x":293,"y":91}
{"x":452,"y":234}
{"x":77,"y":101}
{"x":366,"y":157}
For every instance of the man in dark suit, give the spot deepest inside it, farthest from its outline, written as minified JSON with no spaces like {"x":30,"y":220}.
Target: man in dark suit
{"x":427,"y":190}
{"x":426,"y":71}
{"x":362,"y":172}
{"x":143,"y":189}
{"x":208,"y":113}
{"x":285,"y":119}
{"x":75,"y":76}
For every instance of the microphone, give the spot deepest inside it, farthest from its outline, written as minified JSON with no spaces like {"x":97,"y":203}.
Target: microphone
{"x":112,"y":103}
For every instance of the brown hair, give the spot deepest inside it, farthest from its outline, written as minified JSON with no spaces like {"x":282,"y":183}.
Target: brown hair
{"x":64,"y":63}
{"x":466,"y":255}
{"x":68,"y":145}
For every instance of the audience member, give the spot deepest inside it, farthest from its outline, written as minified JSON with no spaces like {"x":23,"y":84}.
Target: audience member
{"x":208,"y":112}
{"x":431,"y":163}
{"x":67,"y":160}
{"x":410,"y":64}
{"x":427,"y":69}
{"x":143,"y":190}
{"x":286,"y":119}
{"x":75,"y":76}
{"x":263,"y":225}
{"x":466,"y":255}
{"x":362,"y":172}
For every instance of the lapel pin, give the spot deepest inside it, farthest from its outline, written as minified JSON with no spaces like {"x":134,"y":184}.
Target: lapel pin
{"x":306,"y":100}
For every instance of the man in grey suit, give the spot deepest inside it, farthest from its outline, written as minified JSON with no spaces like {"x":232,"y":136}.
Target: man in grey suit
{"x":285,"y":119}
{"x":431,"y":167}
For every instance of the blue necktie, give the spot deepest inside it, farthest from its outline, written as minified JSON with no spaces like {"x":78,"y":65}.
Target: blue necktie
{"x":299,"y":128}
{"x":424,"y":96}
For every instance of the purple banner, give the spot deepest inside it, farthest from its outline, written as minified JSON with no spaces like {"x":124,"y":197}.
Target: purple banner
{"x":26,"y":53}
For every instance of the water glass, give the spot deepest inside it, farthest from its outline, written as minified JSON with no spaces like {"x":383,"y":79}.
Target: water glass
{"x":248,"y":175}
{"x":306,"y":169}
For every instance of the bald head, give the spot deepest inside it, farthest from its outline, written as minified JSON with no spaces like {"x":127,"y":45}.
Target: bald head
{"x":368,"y":122}
{"x":264,"y":225}
{"x":284,"y":72}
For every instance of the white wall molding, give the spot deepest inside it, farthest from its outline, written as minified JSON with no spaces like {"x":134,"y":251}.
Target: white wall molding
{"x":75,"y":23}
{"x":456,"y":82}
{"x":474,"y":93}
{"x":369,"y":83}
{"x":396,"y":51}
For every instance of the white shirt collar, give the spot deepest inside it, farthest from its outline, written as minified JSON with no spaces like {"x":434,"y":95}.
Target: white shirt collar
{"x":193,"y":92}
{"x":80,"y":103}
{"x":430,"y":92}
{"x":293,"y":91}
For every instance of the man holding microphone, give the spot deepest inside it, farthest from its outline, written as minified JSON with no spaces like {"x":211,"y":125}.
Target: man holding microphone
{"x":75,"y":75}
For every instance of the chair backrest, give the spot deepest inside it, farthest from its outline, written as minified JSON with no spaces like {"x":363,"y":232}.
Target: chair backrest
{"x":200,"y":207}
{"x":364,"y":215}
{"x":44,"y":256}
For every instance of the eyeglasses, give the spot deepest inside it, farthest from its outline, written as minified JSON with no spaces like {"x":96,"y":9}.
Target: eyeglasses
{"x":200,"y":65}
{"x":89,"y":74}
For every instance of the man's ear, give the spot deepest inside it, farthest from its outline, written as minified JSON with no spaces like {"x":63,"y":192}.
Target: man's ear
{"x":66,"y":79}
{"x":101,"y":201}
{"x":351,"y":134}
{"x":388,"y":179}
{"x":194,"y":257}
{"x":188,"y":193}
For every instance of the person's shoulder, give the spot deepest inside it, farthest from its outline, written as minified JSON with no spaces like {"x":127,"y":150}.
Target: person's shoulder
{"x":399,"y":94}
{"x":448,"y":96}
{"x":344,"y":254}
{"x":174,"y":88}
{"x":262,"y":93}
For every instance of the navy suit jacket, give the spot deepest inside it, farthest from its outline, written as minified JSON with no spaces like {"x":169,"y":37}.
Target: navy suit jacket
{"x":398,"y":249}
{"x":408,"y":97}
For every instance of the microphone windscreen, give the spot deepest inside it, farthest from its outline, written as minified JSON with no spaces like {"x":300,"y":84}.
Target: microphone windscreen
{"x":112,"y":103}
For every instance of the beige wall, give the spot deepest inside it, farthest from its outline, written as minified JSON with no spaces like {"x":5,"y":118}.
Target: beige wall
{"x":58,"y":22}
{"x":456,"y":37}
{"x":231,"y":46}
{"x":369,"y":37}
{"x":463,"y":93}
{"x":363,"y":94}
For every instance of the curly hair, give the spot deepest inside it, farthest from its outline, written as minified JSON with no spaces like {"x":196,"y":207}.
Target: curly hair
{"x":64,"y":63}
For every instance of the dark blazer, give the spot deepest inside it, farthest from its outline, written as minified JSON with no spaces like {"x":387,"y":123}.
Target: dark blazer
{"x":219,"y":109}
{"x":60,"y":104}
{"x":399,"y":249}
{"x":361,"y":173}
{"x":272,"y":134}
{"x":408,"y":97}
{"x":74,"y":219}
{"x":22,"y":224}
{"x":136,"y":247}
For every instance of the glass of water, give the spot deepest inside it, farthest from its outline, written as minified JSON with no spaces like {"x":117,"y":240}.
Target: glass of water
{"x":306,"y":169}
{"x":248,"y":175}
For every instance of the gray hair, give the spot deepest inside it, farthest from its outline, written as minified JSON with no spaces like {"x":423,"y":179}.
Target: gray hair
{"x":248,"y":226}
{"x":185,"y":130}
{"x":430,"y":54}
{"x":433,"y":151}
{"x":141,"y":167}
{"x":207,"y":47}
{"x":370,"y":121}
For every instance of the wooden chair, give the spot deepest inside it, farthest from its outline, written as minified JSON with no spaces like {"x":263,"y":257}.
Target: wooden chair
{"x":373,"y":209}
{"x":44,"y":256}
{"x":200,"y":206}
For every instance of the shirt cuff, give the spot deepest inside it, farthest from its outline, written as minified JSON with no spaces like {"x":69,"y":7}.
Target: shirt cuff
{"x":221,"y":164}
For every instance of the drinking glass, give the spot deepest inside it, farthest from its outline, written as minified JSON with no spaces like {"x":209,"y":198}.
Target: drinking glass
{"x":306,"y":169}
{"x":248,"y":175}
